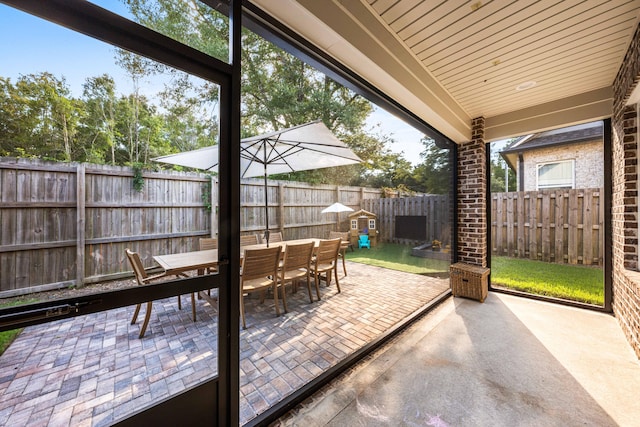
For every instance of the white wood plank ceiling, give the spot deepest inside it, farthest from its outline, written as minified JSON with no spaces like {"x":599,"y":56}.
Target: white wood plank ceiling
{"x":481,"y":54}
{"x":481,"y":51}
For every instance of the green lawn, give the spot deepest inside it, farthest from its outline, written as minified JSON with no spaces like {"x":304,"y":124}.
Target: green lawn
{"x":572,"y":282}
{"x":576,"y":283}
{"x":398,"y":257}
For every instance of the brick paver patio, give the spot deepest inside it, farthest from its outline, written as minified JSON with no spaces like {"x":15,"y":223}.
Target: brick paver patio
{"x":93,"y":370}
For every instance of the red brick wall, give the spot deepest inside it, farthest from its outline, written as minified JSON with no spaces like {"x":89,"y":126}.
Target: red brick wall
{"x":624,"y":123}
{"x":472,"y":190}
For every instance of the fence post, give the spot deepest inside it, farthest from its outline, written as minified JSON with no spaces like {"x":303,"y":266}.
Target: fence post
{"x":80,"y":223}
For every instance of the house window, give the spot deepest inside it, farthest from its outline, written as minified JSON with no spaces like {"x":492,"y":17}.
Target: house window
{"x":556,"y":175}
{"x":372,"y":224}
{"x":354,"y":224}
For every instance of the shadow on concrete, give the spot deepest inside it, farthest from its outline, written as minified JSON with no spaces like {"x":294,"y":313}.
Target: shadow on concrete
{"x":473,"y":364}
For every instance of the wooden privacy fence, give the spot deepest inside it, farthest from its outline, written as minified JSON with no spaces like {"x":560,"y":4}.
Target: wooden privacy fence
{"x":434,"y":210}
{"x":67,"y":224}
{"x":295,"y":207}
{"x":560,"y":226}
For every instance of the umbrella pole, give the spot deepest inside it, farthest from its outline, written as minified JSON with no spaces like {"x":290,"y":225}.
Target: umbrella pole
{"x":266,"y":197}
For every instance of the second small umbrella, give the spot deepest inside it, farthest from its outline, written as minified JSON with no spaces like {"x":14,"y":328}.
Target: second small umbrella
{"x":337,"y":208}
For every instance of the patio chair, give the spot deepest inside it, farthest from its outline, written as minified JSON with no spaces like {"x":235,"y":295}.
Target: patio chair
{"x":143,"y":278}
{"x":206,"y":243}
{"x":249,"y":239}
{"x":259,"y":273}
{"x":296,"y":264}
{"x":326,"y":261}
{"x":343,"y":246}
{"x":274,"y":236}
{"x":364,"y":242}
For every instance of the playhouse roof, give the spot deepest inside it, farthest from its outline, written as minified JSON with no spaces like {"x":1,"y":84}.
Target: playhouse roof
{"x":362,"y":213}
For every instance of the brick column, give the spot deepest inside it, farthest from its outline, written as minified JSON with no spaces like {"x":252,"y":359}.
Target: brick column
{"x":472,"y":191}
{"x":624,"y":194}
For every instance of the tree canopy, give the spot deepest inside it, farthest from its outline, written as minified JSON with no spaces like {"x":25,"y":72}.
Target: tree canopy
{"x":40,"y":117}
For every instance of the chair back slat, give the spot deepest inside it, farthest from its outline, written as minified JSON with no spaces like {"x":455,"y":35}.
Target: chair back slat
{"x":260,"y":263}
{"x":297,"y":256}
{"x":207,"y":243}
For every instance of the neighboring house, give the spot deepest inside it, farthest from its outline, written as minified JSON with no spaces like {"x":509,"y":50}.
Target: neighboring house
{"x":570,"y":157}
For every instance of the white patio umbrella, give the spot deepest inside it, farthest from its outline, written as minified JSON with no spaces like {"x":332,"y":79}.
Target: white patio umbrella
{"x":304,"y":147}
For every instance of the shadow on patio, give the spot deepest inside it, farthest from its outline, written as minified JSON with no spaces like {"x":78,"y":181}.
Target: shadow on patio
{"x":93,"y":370}
{"x":508,"y":362}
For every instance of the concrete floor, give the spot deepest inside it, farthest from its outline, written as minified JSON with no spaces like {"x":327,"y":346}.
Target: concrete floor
{"x":508,"y":362}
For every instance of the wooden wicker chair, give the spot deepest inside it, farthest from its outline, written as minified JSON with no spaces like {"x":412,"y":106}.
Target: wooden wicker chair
{"x":326,"y":261}
{"x":248,"y":240}
{"x":206,"y":243}
{"x":143,"y":278}
{"x":296,"y":264}
{"x":259,"y":273}
{"x":274,"y":237}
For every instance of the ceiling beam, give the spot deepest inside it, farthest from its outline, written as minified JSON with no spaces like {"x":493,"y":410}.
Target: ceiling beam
{"x":583,"y":108}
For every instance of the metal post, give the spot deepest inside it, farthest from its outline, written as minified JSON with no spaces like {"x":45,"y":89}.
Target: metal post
{"x":266,"y":195}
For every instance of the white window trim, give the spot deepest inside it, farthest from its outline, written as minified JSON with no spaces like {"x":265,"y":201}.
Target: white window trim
{"x":573,"y":172}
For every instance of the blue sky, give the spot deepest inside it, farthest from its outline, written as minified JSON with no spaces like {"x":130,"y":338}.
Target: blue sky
{"x":37,"y":45}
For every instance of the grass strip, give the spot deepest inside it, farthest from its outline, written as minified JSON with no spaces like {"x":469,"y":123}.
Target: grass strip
{"x":398,"y":257}
{"x":572,"y":282}
{"x":7,"y":337}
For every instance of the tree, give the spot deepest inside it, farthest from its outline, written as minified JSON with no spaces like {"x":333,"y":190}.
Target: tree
{"x":100,"y":124}
{"x":188,"y":21}
{"x":39,"y":117}
{"x":13,"y":126}
{"x":278,"y":91}
{"x":500,"y":171}
{"x":190,"y":112}
{"x":433,"y":175}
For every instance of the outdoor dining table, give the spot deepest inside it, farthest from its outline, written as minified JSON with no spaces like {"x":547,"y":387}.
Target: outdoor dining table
{"x":178,"y":263}
{"x":200,"y":260}
{"x":174,"y":264}
{"x":187,"y":261}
